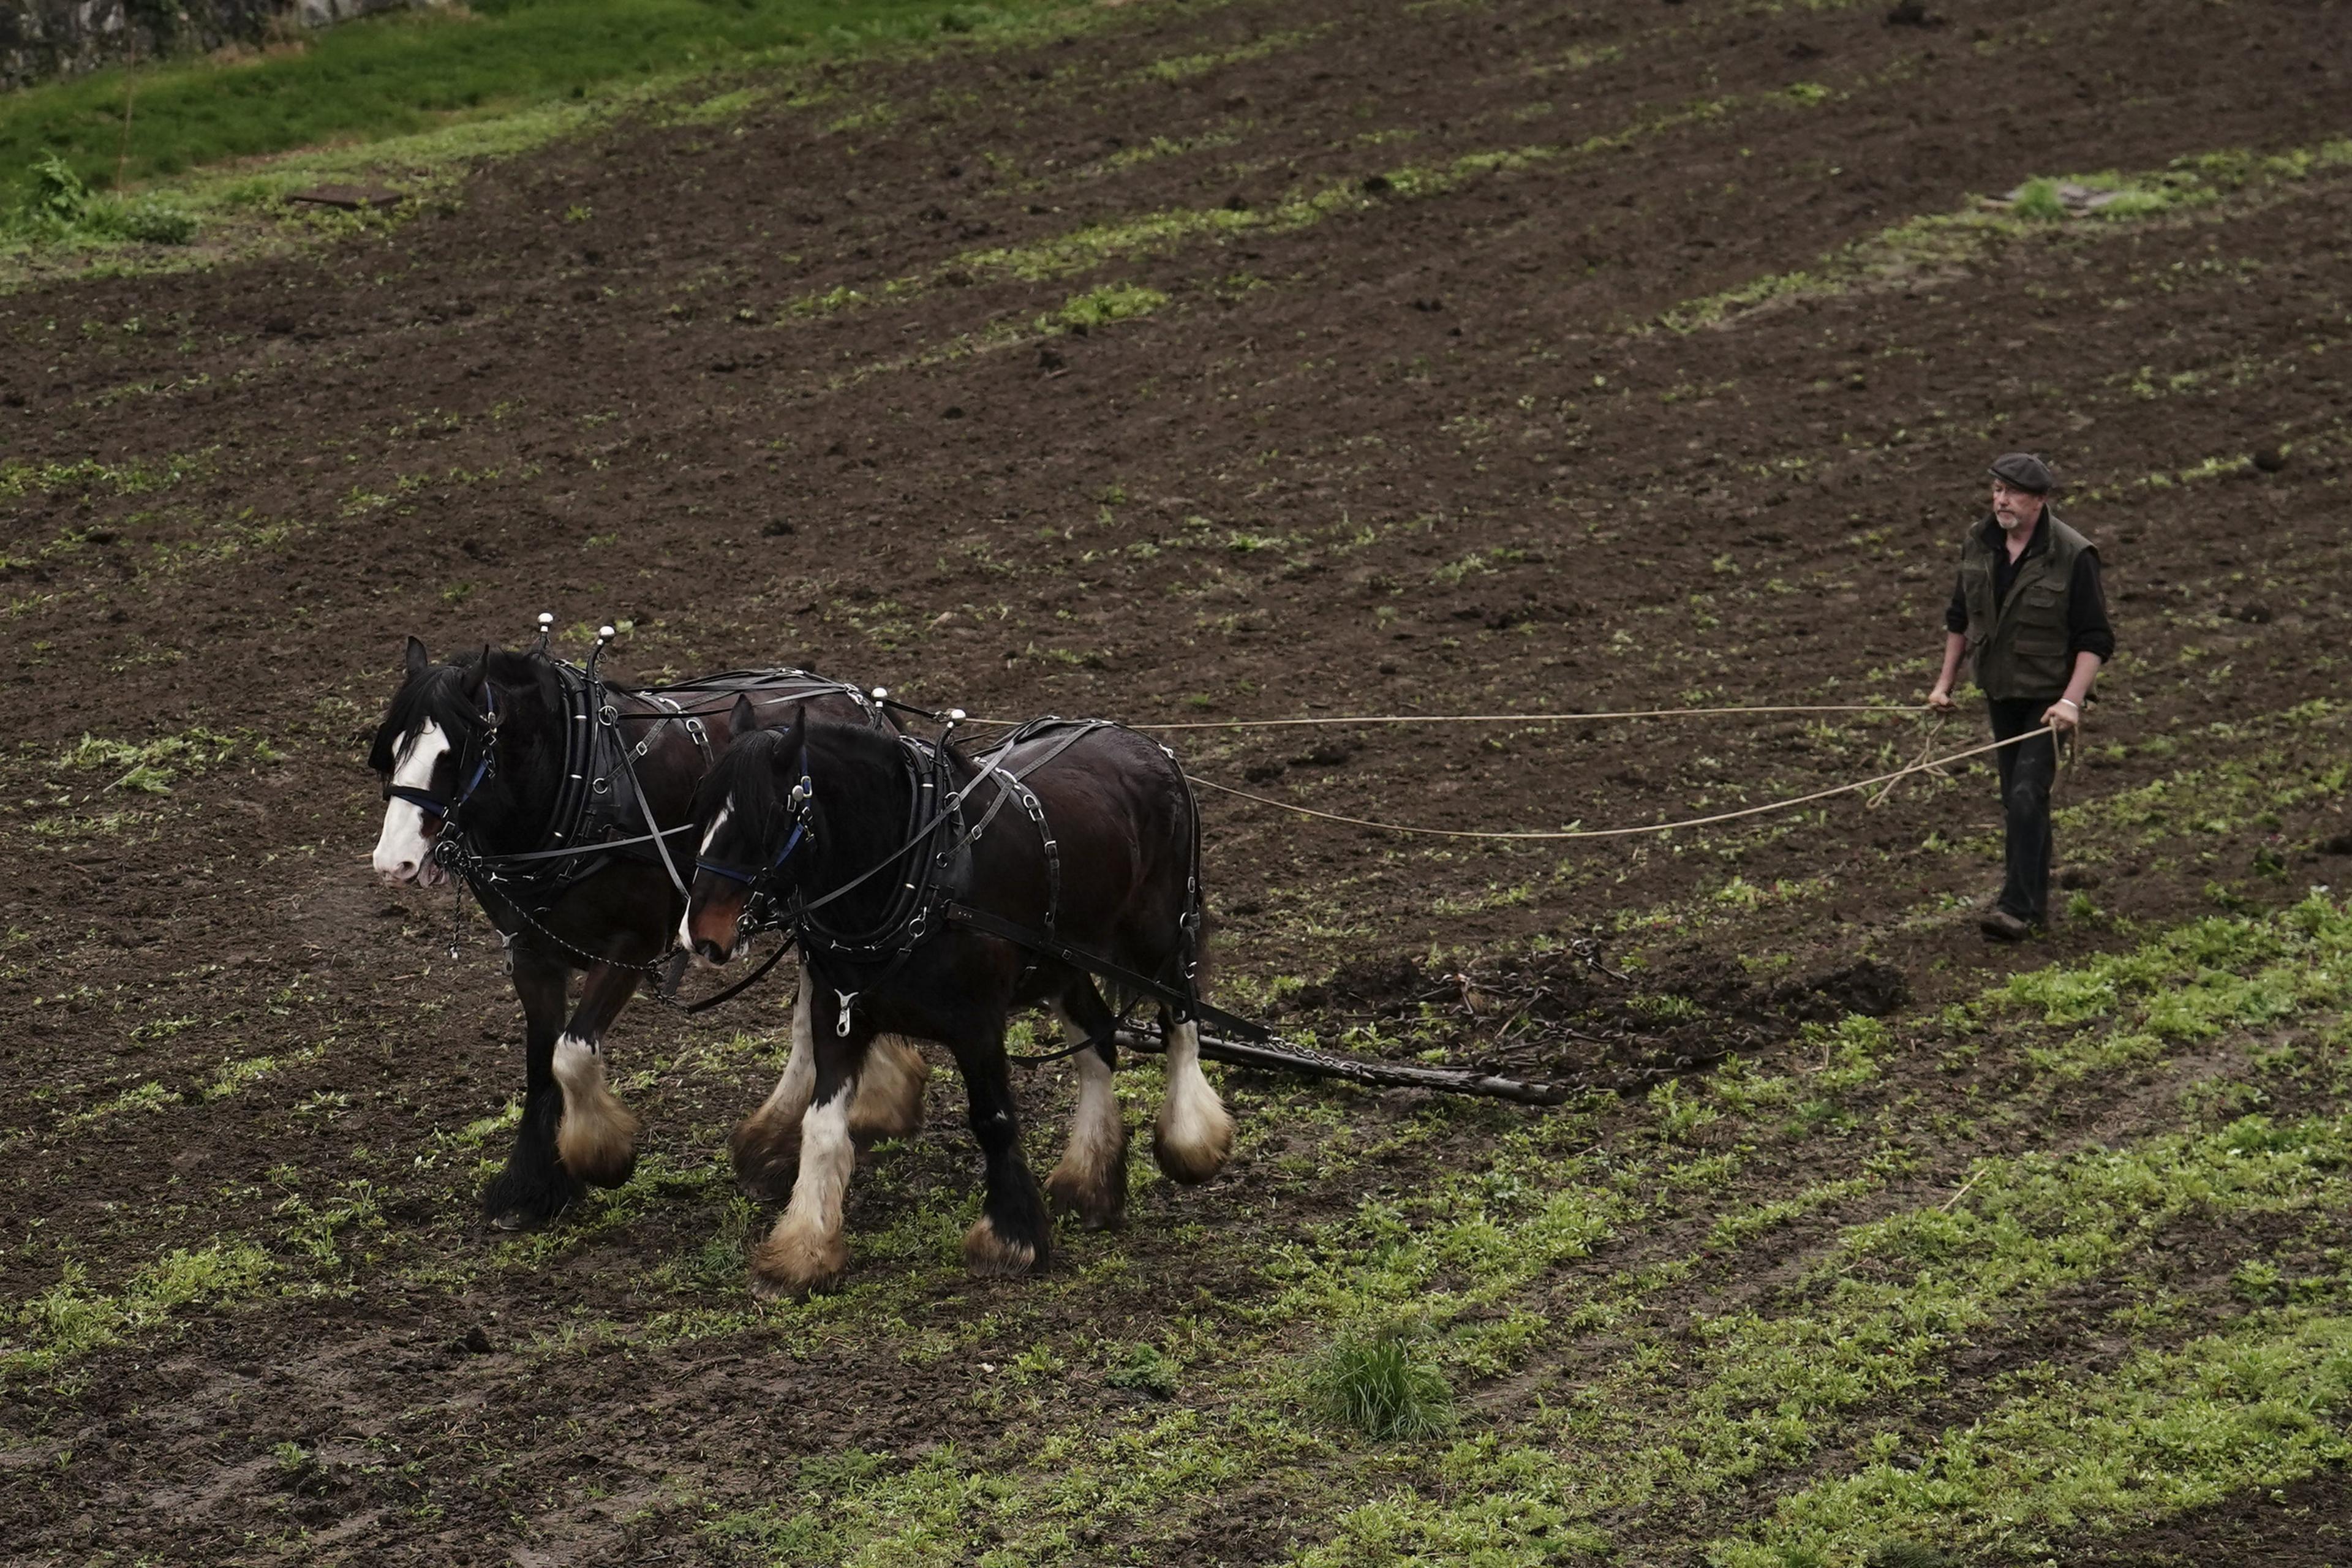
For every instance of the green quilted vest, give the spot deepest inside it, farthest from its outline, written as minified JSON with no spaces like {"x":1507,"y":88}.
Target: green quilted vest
{"x":2020,"y":648}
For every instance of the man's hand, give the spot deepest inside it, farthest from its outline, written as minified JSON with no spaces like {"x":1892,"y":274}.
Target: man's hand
{"x":1940,"y":700}
{"x":2063,"y":714}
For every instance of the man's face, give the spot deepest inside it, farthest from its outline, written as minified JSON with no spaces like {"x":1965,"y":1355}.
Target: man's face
{"x":2014,"y":508}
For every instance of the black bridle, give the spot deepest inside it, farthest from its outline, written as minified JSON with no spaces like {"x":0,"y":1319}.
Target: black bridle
{"x":444,"y":812}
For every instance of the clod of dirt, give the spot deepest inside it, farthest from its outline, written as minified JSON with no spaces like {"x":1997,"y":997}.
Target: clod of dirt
{"x":1867,"y":986}
{"x":959,"y":279}
{"x":474,"y":1341}
{"x":279,"y":326}
{"x":2252,"y":614}
{"x":1049,"y":360}
{"x":1237,"y":203}
{"x":1328,"y":754}
{"x":1374,"y":984}
{"x":2075,"y":877}
{"x":1263,"y":773}
{"x":2339,"y":844}
{"x":1377,"y":186}
{"x":952,"y":411}
{"x":1911,"y":14}
{"x":2271,"y":459}
{"x":776,"y":527}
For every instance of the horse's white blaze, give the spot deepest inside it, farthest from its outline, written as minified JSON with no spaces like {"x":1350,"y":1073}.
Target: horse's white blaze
{"x":404,"y":851}
{"x":1193,"y":1134}
{"x":685,"y":920}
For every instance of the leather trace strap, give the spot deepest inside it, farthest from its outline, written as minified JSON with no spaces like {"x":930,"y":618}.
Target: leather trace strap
{"x":1186,"y":1007}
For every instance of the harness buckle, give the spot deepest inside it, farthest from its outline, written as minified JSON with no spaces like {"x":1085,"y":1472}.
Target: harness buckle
{"x":845,"y":1000}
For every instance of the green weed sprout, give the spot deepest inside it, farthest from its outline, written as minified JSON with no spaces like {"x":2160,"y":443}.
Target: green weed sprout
{"x":2038,"y":200}
{"x":61,"y":208}
{"x":1377,"y":1383}
{"x":1146,"y":1370}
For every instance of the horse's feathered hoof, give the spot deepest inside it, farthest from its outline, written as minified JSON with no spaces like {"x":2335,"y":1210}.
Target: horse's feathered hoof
{"x":1090,"y":1184}
{"x":991,"y":1255}
{"x":1191,"y":1142}
{"x":789,"y":1266}
{"x":515,"y":1220}
{"x":597,"y":1139}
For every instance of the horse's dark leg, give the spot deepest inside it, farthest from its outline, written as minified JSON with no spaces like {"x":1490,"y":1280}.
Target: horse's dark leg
{"x":804,"y":1252}
{"x":1013,"y":1235}
{"x":1090,"y":1182}
{"x":1193,"y":1134}
{"x":535,"y":1187}
{"x":598,"y":1138}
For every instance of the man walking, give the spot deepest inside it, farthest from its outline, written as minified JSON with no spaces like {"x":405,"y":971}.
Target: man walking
{"x":2029,"y":607}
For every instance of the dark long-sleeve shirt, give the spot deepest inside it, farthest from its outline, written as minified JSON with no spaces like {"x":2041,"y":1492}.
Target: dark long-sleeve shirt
{"x":2087,"y":630}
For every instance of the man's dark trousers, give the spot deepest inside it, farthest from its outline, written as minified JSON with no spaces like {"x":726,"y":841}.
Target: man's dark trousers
{"x":2027,"y":772}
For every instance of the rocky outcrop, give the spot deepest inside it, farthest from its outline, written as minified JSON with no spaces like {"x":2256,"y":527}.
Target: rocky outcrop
{"x":44,"y":38}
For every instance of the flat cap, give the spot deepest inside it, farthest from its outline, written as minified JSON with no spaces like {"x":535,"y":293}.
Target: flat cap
{"x":2025,"y":471}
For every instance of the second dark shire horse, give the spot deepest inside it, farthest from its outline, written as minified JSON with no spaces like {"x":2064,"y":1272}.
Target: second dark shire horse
{"x":513,"y":755}
{"x":822,"y":827}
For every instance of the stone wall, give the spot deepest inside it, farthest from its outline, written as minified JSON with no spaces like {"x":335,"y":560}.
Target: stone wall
{"x":44,"y":38}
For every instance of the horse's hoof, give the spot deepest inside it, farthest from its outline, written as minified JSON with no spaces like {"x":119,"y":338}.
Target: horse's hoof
{"x":513,"y":1220}
{"x":990,"y":1254}
{"x":1095,"y":1205}
{"x":787,"y":1267}
{"x":1191,"y":1142}
{"x":611,"y":1176}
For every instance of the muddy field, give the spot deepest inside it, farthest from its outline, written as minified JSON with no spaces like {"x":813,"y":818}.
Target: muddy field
{"x":1208,"y":363}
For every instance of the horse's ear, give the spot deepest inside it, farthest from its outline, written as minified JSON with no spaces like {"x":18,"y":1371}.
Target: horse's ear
{"x":481,"y":675}
{"x":413,"y":658}
{"x":745,"y":718}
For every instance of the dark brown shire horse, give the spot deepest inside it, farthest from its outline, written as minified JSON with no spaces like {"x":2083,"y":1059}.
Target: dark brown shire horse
{"x":541,"y":786}
{"x":864,"y":845}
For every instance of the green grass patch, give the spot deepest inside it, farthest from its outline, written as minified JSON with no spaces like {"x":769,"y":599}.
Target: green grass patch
{"x":70,"y":1320}
{"x":415,"y":71}
{"x":2259,"y":1405}
{"x":1939,"y":241}
{"x":2231,"y":972}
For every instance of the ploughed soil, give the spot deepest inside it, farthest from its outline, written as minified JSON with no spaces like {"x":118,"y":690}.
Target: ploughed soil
{"x":1419,"y":446}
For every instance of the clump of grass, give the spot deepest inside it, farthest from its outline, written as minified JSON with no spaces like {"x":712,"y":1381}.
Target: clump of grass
{"x":1146,"y":1370}
{"x":1379,"y":1383}
{"x":1111,"y":302}
{"x":2039,"y":201}
{"x":59,"y":208}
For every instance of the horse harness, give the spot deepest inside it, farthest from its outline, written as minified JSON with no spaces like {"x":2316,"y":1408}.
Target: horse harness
{"x":937,"y":856}
{"x":598,"y":793}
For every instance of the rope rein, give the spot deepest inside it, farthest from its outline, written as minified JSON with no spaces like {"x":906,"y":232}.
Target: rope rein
{"x":1891,"y":709}
{"x":1925,"y":764}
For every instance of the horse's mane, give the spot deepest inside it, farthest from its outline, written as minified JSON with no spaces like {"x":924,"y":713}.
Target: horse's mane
{"x":756,"y":775}
{"x":439,"y":693}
